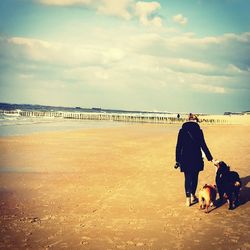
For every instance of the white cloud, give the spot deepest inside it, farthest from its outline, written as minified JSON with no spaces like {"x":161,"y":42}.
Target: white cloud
{"x":179,"y":18}
{"x":234,"y":69}
{"x":62,"y":54}
{"x":145,"y":10}
{"x":135,"y":57}
{"x":219,"y":51}
{"x":113,"y":55}
{"x":187,"y":64}
{"x":30,"y":42}
{"x":209,"y":88}
{"x":156,"y":21}
{"x":26,"y":76}
{"x":119,"y":8}
{"x":126,"y":9}
{"x":214,"y":40}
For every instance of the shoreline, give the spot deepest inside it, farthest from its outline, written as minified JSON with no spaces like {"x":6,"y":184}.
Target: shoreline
{"x":32,"y":129}
{"x":40,"y":126}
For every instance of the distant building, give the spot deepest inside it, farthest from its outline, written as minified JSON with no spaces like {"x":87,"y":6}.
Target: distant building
{"x":237,"y":113}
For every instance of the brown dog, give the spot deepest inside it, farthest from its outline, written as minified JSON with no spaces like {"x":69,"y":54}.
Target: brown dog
{"x":207,"y":196}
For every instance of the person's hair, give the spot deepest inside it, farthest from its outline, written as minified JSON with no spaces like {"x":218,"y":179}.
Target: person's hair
{"x":193,"y":117}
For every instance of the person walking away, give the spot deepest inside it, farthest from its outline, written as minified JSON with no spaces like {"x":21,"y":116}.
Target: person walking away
{"x":189,"y":147}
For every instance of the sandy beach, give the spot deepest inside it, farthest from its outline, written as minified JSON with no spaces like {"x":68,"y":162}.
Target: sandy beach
{"x":116,"y":188}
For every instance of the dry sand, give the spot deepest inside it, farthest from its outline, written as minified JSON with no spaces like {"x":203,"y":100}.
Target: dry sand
{"x":116,"y":188}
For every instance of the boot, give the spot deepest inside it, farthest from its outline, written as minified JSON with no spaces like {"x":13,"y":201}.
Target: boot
{"x":188,"y":202}
{"x":194,"y":199}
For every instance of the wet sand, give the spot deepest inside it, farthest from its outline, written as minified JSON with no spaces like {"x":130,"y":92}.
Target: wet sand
{"x":116,"y":188}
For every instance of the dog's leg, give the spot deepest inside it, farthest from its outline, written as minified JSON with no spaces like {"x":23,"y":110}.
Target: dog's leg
{"x":221,"y":198}
{"x":230,"y":201}
{"x":200,"y":201}
{"x":230,"y":206}
{"x":202,"y":204}
{"x":237,"y":202}
{"x":221,"y":195}
{"x":206,"y":209}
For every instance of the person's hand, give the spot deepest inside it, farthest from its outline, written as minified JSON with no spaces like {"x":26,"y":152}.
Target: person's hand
{"x":215,"y":162}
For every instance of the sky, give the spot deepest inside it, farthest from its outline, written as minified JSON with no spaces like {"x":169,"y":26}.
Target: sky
{"x":166,"y":55}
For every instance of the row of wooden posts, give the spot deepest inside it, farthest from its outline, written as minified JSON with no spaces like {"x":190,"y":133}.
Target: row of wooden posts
{"x":123,"y":117}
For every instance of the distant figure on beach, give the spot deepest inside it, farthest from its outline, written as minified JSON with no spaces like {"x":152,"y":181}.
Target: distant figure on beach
{"x":190,"y":144}
{"x":178,"y":116}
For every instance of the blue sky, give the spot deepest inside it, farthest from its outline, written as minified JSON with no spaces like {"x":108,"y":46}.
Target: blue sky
{"x":179,"y":56}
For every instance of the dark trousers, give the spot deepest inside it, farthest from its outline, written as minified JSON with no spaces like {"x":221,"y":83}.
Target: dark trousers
{"x":191,"y":181}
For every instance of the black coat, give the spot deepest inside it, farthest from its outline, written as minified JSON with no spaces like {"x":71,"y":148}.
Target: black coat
{"x":188,"y":149}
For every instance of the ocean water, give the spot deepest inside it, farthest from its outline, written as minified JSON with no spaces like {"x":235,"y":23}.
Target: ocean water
{"x":18,"y":125}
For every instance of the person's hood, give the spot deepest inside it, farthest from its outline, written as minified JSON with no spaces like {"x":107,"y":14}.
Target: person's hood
{"x":190,"y":125}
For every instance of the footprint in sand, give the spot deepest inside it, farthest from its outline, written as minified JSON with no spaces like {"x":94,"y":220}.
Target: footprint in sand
{"x":139,"y":244}
{"x":132,"y":243}
{"x":121,"y":247}
{"x":129,"y":242}
{"x":83,"y":242}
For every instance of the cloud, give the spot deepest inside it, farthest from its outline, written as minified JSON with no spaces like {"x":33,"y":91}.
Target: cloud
{"x":187,"y":65}
{"x":29,"y":42}
{"x":209,"y":88}
{"x":133,"y":58}
{"x":234,"y":70}
{"x":217,"y":50}
{"x":187,"y":38}
{"x":229,"y":55}
{"x":145,"y":12}
{"x":119,"y":8}
{"x":26,"y":76}
{"x":179,"y":18}
{"x":59,"y":53}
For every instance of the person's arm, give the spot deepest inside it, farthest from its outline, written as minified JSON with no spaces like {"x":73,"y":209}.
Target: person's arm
{"x":205,"y":148}
{"x":179,"y":147}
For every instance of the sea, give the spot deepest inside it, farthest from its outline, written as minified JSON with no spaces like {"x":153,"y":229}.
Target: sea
{"x":14,"y":125}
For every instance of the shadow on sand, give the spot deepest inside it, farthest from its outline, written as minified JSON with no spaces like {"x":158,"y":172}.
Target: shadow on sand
{"x":245,"y":190}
